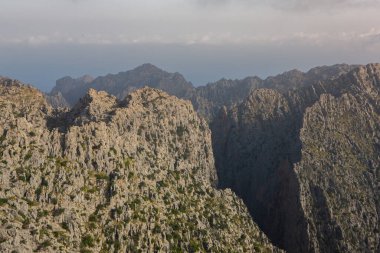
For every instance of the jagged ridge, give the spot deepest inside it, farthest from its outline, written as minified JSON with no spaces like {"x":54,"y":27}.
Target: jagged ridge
{"x":207,"y":100}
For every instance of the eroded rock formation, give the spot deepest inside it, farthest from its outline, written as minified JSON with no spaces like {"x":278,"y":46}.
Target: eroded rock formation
{"x":113,"y":176}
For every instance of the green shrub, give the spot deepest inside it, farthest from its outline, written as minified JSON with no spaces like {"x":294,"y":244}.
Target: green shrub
{"x":194,"y":246}
{"x":161,"y":184}
{"x":44,"y":245}
{"x":28,"y":156}
{"x":44,"y":182}
{"x":58,"y":212}
{"x":128,"y":162}
{"x":157,"y":229}
{"x":38,"y":191}
{"x":181,"y":130}
{"x":25,"y":223}
{"x":93,"y":218}
{"x":42,"y":213}
{"x":101,"y":176}
{"x":65,"y":226}
{"x":23,"y":174}
{"x":2,"y":239}
{"x":61,"y":162}
{"x":87,"y":241}
{"x":3,"y":201}
{"x":130,"y":175}
{"x":142,"y":185}
{"x":85,"y":251}
{"x":54,"y":201}
{"x":30,"y":202}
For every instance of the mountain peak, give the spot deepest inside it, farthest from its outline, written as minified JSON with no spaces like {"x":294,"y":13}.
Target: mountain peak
{"x":94,"y":106}
{"x":86,"y":79}
{"x":147,"y":67}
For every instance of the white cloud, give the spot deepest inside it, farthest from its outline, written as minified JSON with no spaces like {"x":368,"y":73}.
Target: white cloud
{"x":172,"y":20}
{"x":320,"y":39}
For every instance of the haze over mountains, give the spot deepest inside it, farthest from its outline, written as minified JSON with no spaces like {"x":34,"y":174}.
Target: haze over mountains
{"x":302,"y":150}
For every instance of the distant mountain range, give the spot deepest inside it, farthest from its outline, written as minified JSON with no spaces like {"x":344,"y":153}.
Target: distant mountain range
{"x":207,"y":100}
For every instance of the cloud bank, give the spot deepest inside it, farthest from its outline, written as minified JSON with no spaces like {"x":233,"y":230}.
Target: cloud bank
{"x":247,"y":36}
{"x":301,"y":5}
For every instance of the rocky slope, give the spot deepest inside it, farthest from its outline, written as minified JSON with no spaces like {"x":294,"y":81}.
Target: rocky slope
{"x":113,"y":176}
{"x":207,"y":100}
{"x":306,"y":162}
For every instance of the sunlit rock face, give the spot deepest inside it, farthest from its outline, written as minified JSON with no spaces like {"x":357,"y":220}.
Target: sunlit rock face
{"x":135,"y":175}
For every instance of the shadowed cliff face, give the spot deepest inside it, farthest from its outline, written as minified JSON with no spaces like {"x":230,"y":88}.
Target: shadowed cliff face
{"x":306,"y":164}
{"x":113,"y":176}
{"x":255,"y":145}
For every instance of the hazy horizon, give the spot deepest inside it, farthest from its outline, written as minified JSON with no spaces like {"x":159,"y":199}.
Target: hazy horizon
{"x":43,"y":40}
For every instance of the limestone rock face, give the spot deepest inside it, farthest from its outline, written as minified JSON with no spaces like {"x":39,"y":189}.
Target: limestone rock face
{"x":113,"y":176}
{"x":338,"y":174}
{"x":306,"y":162}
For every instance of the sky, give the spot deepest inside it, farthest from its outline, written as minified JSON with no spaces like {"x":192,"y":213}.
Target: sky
{"x":205,"y":40}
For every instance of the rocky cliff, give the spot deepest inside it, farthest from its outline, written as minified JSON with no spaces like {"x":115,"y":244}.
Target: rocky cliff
{"x":306,"y":162}
{"x":135,"y":175}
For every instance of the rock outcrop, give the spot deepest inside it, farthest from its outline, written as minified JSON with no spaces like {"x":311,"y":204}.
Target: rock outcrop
{"x":135,"y":175}
{"x":306,"y":162}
